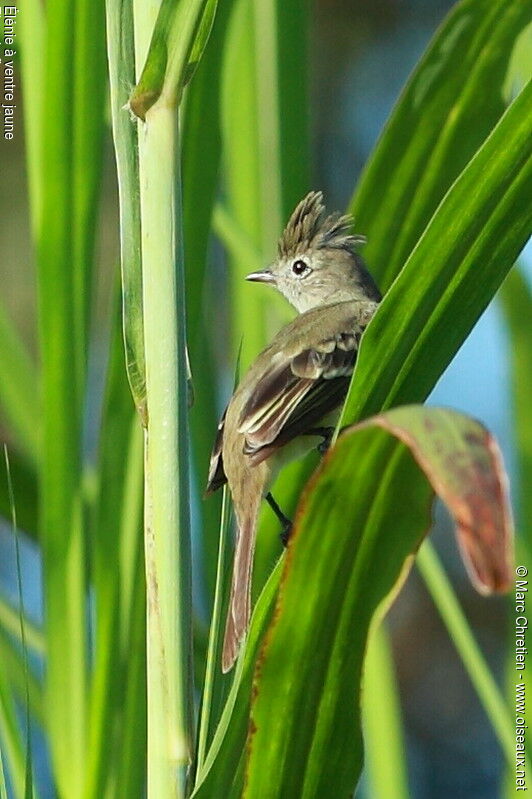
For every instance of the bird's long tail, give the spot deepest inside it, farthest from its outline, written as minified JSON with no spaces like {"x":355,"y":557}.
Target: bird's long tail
{"x":239,"y":612}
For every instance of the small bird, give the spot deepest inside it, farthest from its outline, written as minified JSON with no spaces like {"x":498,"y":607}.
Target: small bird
{"x":290,"y":398}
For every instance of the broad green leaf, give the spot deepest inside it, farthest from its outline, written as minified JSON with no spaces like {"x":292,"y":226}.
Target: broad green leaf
{"x":347,"y":557}
{"x":293,"y":22}
{"x":520,"y":66}
{"x":464,"y":254}
{"x":73,"y":112}
{"x":450,"y":104}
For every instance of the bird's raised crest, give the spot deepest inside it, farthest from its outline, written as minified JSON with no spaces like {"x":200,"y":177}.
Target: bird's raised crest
{"x":308,"y":228}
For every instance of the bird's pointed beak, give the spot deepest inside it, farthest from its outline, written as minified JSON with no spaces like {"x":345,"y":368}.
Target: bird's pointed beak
{"x":262,"y":276}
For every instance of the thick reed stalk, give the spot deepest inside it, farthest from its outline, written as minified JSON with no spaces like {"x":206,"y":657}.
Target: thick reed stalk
{"x":167,"y":537}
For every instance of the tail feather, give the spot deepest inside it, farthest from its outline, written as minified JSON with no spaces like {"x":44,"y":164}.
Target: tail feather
{"x":240,"y":601}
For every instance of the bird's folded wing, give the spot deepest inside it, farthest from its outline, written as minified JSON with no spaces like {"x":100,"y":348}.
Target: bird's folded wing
{"x":217,"y":477}
{"x":294,"y":395}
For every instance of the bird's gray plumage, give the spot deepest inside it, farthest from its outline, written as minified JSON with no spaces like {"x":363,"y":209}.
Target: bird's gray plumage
{"x":297,"y":382}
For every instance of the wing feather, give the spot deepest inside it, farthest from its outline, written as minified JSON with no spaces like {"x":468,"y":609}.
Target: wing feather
{"x":217,"y":478}
{"x":290,"y":389}
{"x":295,"y":395}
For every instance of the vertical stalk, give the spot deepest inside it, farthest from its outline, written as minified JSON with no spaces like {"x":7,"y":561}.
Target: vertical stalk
{"x":462,"y":637}
{"x":61,"y":511}
{"x":215,"y":638}
{"x":167,"y":537}
{"x":268,"y":129}
{"x":381,"y":713}
{"x":240,"y":121}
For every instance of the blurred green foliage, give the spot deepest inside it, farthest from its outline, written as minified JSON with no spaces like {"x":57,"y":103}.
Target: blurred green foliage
{"x":444,"y":201}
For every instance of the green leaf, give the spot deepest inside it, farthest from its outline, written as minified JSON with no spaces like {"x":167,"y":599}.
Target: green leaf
{"x":3,"y":787}
{"x":10,"y":625}
{"x":201,"y":161}
{"x":516,"y":299}
{"x":348,"y":554}
{"x":265,"y":108}
{"x":450,"y":104}
{"x":22,"y":684}
{"x":177,"y":43}
{"x":28,"y":776}
{"x":118,"y":576}
{"x":202,"y":37}
{"x":381,"y":721}
{"x":214,"y":680}
{"x":266,"y":142}
{"x":464,"y":254}
{"x":221,"y":773}
{"x":32,"y":28}
{"x":121,"y":58}
{"x":73,"y":112}
{"x":19,"y":397}
{"x":26,"y":490}
{"x":10,"y":737}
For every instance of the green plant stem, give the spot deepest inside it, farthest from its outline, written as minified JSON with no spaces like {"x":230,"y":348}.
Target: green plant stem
{"x":61,"y":495}
{"x":214,"y":640}
{"x":10,"y":739}
{"x":268,"y":127}
{"x":382,"y":720}
{"x":240,"y":114}
{"x":31,"y":20}
{"x":3,"y":787}
{"x":453,"y":617}
{"x":167,"y":536}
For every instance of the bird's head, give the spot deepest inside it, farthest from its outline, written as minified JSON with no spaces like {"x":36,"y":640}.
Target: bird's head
{"x":317,"y":262}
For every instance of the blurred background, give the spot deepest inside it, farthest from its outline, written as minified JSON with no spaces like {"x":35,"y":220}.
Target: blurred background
{"x":362,"y":52}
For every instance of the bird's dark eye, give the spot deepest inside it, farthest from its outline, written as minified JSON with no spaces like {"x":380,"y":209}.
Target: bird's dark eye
{"x":298,"y":267}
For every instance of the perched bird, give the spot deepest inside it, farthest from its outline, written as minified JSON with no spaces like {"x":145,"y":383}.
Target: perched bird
{"x":290,"y":398}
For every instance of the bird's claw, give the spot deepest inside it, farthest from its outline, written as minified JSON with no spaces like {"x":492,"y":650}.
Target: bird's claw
{"x":284,"y":535}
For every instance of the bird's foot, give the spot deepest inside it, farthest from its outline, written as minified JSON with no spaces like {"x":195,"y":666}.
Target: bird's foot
{"x":326,"y":433}
{"x":284,"y":535}
{"x":285,"y":521}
